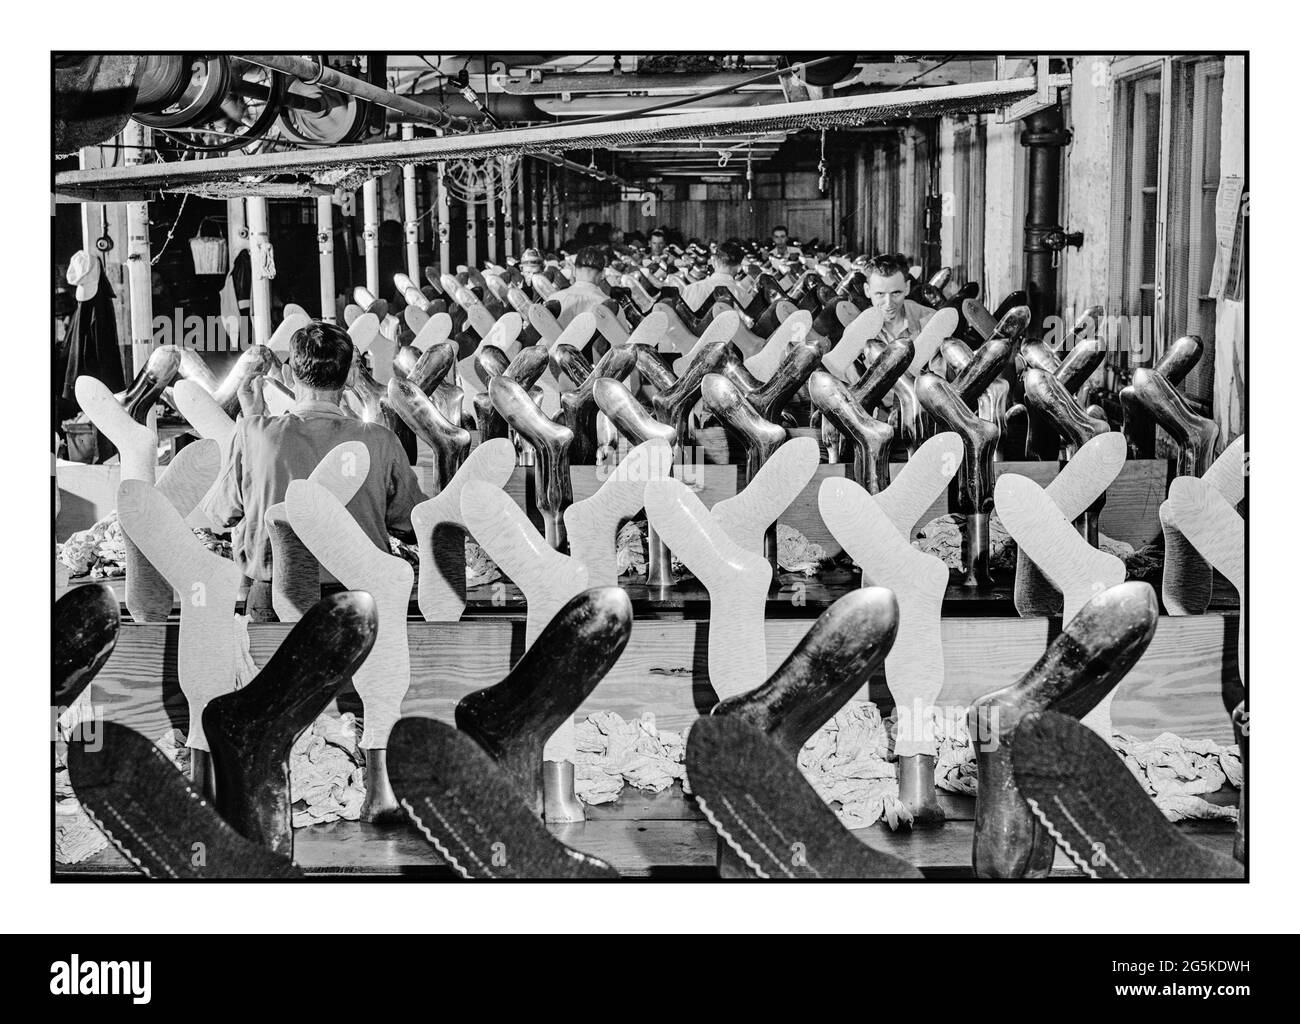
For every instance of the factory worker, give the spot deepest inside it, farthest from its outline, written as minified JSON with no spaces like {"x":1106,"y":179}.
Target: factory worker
{"x":266,"y":453}
{"x":726,"y":265}
{"x":887,"y":286}
{"x":585,"y":292}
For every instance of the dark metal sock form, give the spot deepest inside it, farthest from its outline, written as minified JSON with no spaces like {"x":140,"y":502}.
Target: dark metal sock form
{"x":834,"y":661}
{"x":85,"y":626}
{"x":449,"y":441}
{"x":974,"y":483}
{"x":1173,"y":366}
{"x":887,"y":363}
{"x":513,"y":720}
{"x":770,"y":399}
{"x":152,"y":814}
{"x":1085,"y":662}
{"x":631,"y":419}
{"x":578,"y":407}
{"x":550,"y":442}
{"x":254,"y":360}
{"x":159,"y":371}
{"x":673,"y":405}
{"x":1085,"y":797}
{"x":252,"y":730}
{"x":525,"y":369}
{"x":1152,"y":395}
{"x":756,"y":798}
{"x":472,"y":810}
{"x":868,"y":437}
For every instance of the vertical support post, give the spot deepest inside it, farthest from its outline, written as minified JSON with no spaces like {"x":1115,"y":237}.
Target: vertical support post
{"x":471,"y":233}
{"x":490,"y":168}
{"x":370,"y":233}
{"x":259,"y":243}
{"x":139,"y":267}
{"x":508,"y":209}
{"x":236,"y":228}
{"x":444,"y":221}
{"x":530,"y":172}
{"x":325,"y":246}
{"x":410,"y":208}
{"x":522,"y":205}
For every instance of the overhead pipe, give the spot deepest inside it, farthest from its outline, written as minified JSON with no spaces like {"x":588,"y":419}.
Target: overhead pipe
{"x":327,"y":78}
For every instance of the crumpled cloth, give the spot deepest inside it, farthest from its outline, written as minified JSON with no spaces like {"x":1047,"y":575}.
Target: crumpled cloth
{"x":846,"y":762}
{"x":941,"y":537}
{"x":1176,"y":771}
{"x":76,"y":837}
{"x":100,"y":551}
{"x":796,"y":553}
{"x":630,"y":548}
{"x":479,"y":567}
{"x":327,"y":771}
{"x":613,"y":752}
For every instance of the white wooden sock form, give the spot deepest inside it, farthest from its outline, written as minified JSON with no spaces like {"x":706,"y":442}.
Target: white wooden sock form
{"x":592,"y":524}
{"x":792,"y":330}
{"x":295,"y":573}
{"x":736,"y":578}
{"x":876,"y":532}
{"x":208,"y":586}
{"x":1215,"y":529}
{"x":548,"y":581}
{"x":1188,"y":581}
{"x":1080,"y":482}
{"x":442,"y":598}
{"x":1077,"y":569}
{"x":839,"y":360}
{"x":339,"y":544}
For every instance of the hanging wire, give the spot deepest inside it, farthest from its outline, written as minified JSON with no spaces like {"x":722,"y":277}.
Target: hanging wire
{"x":171,"y":231}
{"x":821,"y":165}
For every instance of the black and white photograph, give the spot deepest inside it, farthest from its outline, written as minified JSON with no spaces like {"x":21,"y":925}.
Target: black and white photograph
{"x":695,"y":468}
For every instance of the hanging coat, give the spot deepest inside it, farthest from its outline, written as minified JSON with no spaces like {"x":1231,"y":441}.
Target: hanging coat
{"x":92,"y":342}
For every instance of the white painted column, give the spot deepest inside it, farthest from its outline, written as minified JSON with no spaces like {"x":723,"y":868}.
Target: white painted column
{"x":139,"y":268}
{"x":370,"y":233}
{"x":411,"y":212}
{"x":259,"y":244}
{"x":325,"y":246}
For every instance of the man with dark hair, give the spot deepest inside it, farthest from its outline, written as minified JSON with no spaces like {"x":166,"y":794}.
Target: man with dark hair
{"x":658,"y":242}
{"x":726,"y":264}
{"x":585,"y":292}
{"x":780,"y":240}
{"x":888,"y":283}
{"x":266,"y":453}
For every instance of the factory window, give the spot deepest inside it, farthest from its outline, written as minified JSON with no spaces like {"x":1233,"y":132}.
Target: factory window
{"x":1135,"y":200}
{"x":1193,"y":189}
{"x":968,"y":212}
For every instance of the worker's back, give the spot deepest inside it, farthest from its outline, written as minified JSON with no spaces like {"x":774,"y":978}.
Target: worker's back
{"x":268,"y":452}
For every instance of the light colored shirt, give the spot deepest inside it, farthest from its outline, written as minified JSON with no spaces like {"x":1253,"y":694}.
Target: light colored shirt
{"x":266,"y":453}
{"x":578,"y":298}
{"x":696,"y":293}
{"x":908,"y":326}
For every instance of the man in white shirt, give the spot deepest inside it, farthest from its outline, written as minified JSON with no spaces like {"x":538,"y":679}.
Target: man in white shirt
{"x":887,"y":287}
{"x":585,"y":292}
{"x":726,"y":264}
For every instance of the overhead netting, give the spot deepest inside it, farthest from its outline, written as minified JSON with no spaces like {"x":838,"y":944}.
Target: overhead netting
{"x":309,"y":171}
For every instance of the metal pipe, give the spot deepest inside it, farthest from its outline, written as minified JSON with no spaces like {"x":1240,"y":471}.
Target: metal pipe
{"x":471,"y":234}
{"x":136,"y":139}
{"x":325,"y":243}
{"x":410,"y":205}
{"x":1045,"y":135}
{"x":327,"y":78}
{"x":259,"y":242}
{"x":370,"y":233}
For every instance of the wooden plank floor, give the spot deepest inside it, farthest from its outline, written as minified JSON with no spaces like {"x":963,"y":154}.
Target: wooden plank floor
{"x":654,"y":836}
